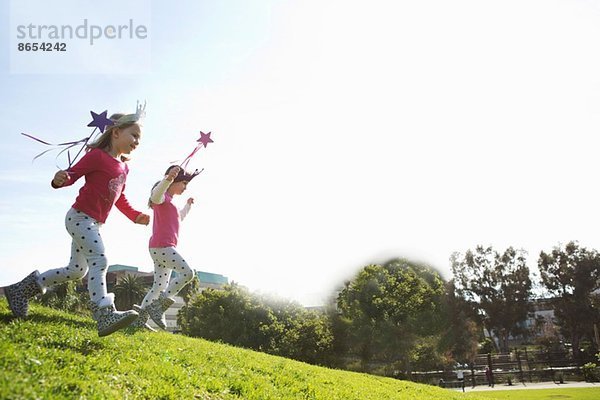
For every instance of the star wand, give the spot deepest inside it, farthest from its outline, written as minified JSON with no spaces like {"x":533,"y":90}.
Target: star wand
{"x":203,"y":141}
{"x":99,"y":122}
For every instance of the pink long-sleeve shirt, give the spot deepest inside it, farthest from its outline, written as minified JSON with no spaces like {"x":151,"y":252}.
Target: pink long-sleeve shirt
{"x":104,"y":185}
{"x":165,"y":224}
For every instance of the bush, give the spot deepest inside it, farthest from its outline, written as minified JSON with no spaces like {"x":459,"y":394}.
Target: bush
{"x":426,"y":357}
{"x":551,"y":344}
{"x":486,"y":346}
{"x":590,"y":372}
{"x":559,"y":377}
{"x":65,"y":297}
{"x":274,"y":326}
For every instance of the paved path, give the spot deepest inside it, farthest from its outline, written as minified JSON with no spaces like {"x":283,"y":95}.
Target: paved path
{"x":540,"y":385}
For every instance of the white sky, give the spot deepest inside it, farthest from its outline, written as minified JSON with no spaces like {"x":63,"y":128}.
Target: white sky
{"x":345,"y":133}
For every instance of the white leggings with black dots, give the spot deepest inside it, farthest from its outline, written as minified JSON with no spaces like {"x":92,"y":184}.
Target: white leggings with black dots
{"x":167,"y":259}
{"x":87,"y":251}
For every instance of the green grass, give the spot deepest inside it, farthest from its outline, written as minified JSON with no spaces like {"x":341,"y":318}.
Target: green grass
{"x":57,"y":355}
{"x":544,"y":394}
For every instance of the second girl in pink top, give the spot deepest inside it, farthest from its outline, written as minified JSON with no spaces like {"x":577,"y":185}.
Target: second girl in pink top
{"x":163,"y":243}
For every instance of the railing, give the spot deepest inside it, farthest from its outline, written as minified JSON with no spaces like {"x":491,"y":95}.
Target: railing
{"x":517,"y":367}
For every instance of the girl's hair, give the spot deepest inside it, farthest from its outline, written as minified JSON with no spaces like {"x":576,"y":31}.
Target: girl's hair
{"x":104,"y":141}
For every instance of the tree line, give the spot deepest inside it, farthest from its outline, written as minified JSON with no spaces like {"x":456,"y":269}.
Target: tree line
{"x":496,"y":291}
{"x":402,"y":316}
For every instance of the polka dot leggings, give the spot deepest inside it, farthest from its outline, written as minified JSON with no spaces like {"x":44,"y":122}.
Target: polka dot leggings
{"x":167,"y":259}
{"x":87,"y":252}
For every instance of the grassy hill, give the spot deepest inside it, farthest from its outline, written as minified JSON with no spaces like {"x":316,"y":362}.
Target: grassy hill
{"x":57,"y":355}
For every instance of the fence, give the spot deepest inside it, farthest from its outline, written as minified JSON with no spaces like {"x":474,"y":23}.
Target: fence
{"x":519,"y":366}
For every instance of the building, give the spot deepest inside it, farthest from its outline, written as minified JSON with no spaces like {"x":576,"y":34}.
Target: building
{"x":116,"y":272}
{"x":539,"y":323}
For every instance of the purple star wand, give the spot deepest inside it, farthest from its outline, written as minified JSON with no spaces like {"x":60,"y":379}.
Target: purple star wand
{"x":99,"y":121}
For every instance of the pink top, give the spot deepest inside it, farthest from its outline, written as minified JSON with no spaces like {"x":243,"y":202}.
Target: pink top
{"x":104,"y":185}
{"x":165,"y":224}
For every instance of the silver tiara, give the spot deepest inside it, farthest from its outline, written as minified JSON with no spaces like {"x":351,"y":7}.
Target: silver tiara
{"x":140,"y":113}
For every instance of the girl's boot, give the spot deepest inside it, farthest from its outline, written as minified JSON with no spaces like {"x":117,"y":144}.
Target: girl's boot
{"x":157,"y":309}
{"x":142,"y":320}
{"x":19,"y":294}
{"x":108,"y":318}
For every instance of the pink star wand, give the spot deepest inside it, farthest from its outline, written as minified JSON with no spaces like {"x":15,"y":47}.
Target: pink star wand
{"x":203,"y":141}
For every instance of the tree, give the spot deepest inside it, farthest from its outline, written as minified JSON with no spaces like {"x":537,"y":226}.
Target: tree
{"x":130,"y":290}
{"x":572,"y":275}
{"x":299,"y":333}
{"x":307,"y":337}
{"x":341,"y":334}
{"x":498,"y":286}
{"x":387,"y":307}
{"x":461,"y":336}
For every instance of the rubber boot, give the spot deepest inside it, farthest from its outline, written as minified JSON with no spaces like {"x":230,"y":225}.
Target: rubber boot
{"x":142,"y":320}
{"x":108,"y":318}
{"x":156,"y":310}
{"x":19,"y":294}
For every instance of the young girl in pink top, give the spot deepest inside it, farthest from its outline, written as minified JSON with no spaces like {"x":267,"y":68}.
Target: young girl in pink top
{"x":165,"y":232}
{"x":105,"y":172}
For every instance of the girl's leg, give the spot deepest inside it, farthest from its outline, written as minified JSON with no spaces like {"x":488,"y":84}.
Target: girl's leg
{"x":165,"y":260}
{"x":170,"y":258}
{"x":18,"y":295}
{"x":85,"y":232}
{"x":161,"y":281}
{"x":76,"y":269}
{"x":162,"y":275}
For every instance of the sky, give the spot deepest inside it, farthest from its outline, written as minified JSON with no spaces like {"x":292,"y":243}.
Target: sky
{"x":345,"y":133}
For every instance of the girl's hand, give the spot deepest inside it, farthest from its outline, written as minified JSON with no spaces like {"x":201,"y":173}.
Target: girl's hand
{"x":173,"y":173}
{"x":190,"y":201}
{"x":142,"y":219}
{"x":60,"y":178}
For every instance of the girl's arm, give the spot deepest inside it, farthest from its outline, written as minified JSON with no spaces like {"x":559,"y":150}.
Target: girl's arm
{"x":158,"y":193}
{"x":186,"y":209}
{"x":88,"y":163}
{"x":124,"y":206}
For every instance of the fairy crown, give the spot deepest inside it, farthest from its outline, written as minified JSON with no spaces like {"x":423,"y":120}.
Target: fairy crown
{"x":183,"y":175}
{"x":140,"y":113}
